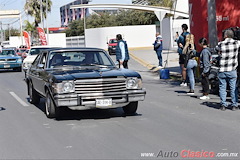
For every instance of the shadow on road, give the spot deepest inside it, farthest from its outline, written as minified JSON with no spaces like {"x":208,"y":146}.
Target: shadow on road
{"x":214,"y":105}
{"x":68,"y":114}
{"x":2,"y":109}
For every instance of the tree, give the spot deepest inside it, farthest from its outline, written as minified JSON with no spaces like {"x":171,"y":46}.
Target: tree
{"x":33,"y":8}
{"x":13,"y":32}
{"x":31,"y":29}
{"x":163,"y":3}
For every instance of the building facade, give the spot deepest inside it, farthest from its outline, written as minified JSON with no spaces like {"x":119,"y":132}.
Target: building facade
{"x":68,"y":15}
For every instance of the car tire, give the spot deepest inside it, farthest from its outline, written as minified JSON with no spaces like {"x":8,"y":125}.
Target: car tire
{"x":34,"y":98}
{"x":131,"y":108}
{"x":51,"y":110}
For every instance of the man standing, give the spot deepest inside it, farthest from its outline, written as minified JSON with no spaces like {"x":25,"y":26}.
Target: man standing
{"x":158,"y":48}
{"x":228,"y":51}
{"x":122,"y":55}
{"x":182,"y":56}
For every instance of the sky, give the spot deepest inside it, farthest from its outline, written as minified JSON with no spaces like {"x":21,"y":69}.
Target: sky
{"x":54,"y":16}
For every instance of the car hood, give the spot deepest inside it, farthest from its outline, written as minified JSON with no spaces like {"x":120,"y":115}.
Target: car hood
{"x":29,"y":59}
{"x":61,"y":75}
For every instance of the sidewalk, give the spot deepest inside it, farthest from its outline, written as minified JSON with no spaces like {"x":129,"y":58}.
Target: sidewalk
{"x":148,"y":58}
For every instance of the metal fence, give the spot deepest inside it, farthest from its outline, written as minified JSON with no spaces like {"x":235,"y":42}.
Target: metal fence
{"x":76,"y":41}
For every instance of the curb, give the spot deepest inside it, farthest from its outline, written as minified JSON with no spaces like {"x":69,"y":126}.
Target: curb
{"x":151,"y":67}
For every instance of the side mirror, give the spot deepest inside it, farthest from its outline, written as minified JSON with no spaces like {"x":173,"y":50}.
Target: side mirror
{"x":40,"y":66}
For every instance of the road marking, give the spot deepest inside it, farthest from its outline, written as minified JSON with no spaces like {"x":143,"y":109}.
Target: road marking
{"x":19,"y":99}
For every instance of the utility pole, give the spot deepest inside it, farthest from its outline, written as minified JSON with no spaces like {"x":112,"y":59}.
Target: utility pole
{"x":47,"y":22}
{"x":212,"y":23}
{"x":1,"y":32}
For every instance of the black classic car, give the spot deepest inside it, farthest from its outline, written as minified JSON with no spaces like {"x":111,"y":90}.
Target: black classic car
{"x":81,"y":79}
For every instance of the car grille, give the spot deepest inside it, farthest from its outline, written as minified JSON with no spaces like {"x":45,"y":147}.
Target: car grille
{"x":100,"y":86}
{"x":7,"y":60}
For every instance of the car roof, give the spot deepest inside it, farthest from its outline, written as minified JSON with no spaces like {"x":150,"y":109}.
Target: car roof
{"x":8,"y":49}
{"x":33,"y":47}
{"x":77,"y":49}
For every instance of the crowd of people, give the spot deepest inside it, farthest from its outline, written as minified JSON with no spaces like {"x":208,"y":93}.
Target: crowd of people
{"x":227,"y":50}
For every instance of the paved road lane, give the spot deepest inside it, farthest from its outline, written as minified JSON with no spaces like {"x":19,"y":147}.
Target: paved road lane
{"x":167,"y":120}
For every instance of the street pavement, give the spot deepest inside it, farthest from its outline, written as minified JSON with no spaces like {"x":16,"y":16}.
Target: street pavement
{"x":167,"y":121}
{"x":148,"y":58}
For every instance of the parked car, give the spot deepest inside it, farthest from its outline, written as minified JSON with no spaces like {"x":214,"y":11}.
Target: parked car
{"x":20,"y":51}
{"x":112,"y":46}
{"x":81,"y":79}
{"x":10,"y":60}
{"x":32,"y":54}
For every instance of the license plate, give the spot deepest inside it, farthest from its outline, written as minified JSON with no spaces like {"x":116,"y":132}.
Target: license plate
{"x":6,"y":66}
{"x":100,"y":103}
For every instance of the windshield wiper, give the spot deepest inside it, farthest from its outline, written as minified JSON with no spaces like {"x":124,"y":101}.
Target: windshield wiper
{"x":97,"y":65}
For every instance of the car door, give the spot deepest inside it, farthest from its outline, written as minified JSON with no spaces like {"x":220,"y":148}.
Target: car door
{"x":32,"y":73}
{"x":41,"y":74}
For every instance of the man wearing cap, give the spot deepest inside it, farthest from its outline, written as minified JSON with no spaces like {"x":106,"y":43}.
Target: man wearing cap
{"x":158,"y":48}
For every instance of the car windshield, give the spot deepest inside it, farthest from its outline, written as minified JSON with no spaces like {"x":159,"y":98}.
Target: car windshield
{"x":113,"y":41}
{"x":36,"y":51}
{"x":21,"y":50}
{"x":79,"y":58}
{"x":7,"y":52}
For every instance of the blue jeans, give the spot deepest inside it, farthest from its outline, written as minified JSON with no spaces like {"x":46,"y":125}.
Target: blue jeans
{"x":224,"y":78}
{"x":192,"y":63}
{"x":159,"y":55}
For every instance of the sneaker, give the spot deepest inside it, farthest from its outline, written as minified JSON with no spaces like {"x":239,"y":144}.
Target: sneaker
{"x":183,"y":84}
{"x":234,"y":108}
{"x":222,"y":107}
{"x":191,"y":92}
{"x":204,"y":97}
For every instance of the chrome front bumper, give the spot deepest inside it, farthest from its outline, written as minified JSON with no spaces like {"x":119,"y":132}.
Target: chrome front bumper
{"x":88,"y":101}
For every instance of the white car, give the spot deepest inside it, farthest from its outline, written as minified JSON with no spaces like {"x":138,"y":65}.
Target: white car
{"x":32,"y":54}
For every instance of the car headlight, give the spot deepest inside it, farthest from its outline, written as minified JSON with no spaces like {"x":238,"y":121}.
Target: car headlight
{"x":64,"y":87}
{"x":134,"y":83}
{"x":19,"y":60}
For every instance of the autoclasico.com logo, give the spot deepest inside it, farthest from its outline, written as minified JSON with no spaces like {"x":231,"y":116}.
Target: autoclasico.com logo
{"x":190,"y":154}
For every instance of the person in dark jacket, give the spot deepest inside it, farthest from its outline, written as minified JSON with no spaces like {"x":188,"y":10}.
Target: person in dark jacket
{"x":122,"y":54}
{"x":205,"y":66}
{"x":158,"y":48}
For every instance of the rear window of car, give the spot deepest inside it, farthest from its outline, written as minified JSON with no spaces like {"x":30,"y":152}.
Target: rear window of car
{"x":36,"y":51}
{"x":113,"y":41}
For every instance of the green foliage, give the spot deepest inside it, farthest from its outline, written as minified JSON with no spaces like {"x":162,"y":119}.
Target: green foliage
{"x":13,"y":32}
{"x":75,"y":28}
{"x":163,"y":3}
{"x":32,"y":8}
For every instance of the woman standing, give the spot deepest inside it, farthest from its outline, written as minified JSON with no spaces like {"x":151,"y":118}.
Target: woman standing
{"x":205,"y":67}
{"x":191,"y":65}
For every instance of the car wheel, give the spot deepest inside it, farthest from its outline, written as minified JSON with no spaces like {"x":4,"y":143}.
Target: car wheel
{"x":34,"y":98}
{"x":50,"y":108}
{"x":131,"y":108}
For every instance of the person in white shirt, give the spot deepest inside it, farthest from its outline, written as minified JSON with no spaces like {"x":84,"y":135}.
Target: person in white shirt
{"x":122,"y":54}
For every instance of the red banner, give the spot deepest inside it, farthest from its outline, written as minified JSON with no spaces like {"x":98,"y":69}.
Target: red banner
{"x":227,"y":15}
{"x":42,"y":36}
{"x":27,"y":39}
